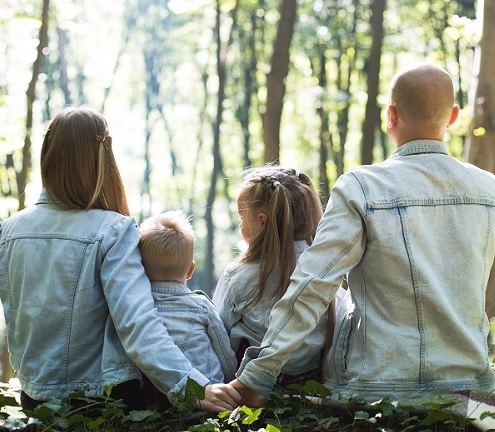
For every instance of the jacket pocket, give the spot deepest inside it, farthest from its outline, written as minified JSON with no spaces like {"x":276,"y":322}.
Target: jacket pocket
{"x":345,"y":337}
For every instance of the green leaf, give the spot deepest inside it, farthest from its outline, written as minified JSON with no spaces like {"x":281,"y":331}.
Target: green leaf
{"x":74,"y":419}
{"x":252,"y":417}
{"x":487,"y":414}
{"x":96,"y":423}
{"x":363,"y":415}
{"x":13,"y":424}
{"x":194,"y":391}
{"x":435,"y":417}
{"x":7,"y":400}
{"x":314,"y":387}
{"x":139,"y":416}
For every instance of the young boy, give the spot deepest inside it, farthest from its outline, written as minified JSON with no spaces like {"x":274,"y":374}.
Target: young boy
{"x":167,"y":249}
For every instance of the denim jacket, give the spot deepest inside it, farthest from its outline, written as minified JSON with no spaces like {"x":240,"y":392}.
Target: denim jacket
{"x":78,"y":304}
{"x":417,"y":235}
{"x":193,"y":322}
{"x":236,"y":287}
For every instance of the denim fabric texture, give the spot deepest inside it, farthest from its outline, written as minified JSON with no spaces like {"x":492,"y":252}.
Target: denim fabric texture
{"x":236,"y":287}
{"x":193,"y":322}
{"x":416,"y":234}
{"x":78,"y":305}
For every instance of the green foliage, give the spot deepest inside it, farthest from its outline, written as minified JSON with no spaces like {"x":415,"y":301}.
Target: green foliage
{"x":297,"y":408}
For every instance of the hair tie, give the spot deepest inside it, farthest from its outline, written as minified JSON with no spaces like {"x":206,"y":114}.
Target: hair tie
{"x":276,"y":183}
{"x":102,"y":138}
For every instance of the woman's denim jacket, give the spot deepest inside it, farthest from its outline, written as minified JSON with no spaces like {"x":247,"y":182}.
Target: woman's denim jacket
{"x":236,"y":287}
{"x":417,"y":235}
{"x":193,"y":322}
{"x":78,"y":304}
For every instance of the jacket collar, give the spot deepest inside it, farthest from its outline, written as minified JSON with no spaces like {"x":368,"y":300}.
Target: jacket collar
{"x":420,"y":146}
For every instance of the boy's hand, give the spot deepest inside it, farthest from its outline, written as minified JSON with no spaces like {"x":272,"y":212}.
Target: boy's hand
{"x":219,"y":397}
{"x":249,"y":397}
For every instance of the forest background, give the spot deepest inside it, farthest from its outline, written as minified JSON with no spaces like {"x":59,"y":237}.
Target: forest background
{"x":197,"y":90}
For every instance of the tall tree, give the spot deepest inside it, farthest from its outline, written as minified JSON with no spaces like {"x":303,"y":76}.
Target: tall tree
{"x":372,"y":116}
{"x":275,"y":85}
{"x":22,"y":176}
{"x":480,"y":147}
{"x":222,"y":50}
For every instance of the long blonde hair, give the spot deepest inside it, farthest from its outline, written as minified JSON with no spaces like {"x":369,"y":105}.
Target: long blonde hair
{"x":293,"y":207}
{"x":77,"y":163}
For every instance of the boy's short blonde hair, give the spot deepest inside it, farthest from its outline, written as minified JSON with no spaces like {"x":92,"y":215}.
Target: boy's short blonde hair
{"x":167,"y":245}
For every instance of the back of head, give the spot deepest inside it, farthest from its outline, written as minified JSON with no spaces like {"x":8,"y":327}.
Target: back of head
{"x":78,"y":167}
{"x":424,"y":95}
{"x":293,"y":210}
{"x":167,"y":246}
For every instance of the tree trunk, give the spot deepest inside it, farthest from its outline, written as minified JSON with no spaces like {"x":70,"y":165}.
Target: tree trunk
{"x":324,"y":133}
{"x":275,"y":85}
{"x":480,"y":147}
{"x":369,"y":124}
{"x":217,"y":160}
{"x":64,"y":80}
{"x":22,"y":177}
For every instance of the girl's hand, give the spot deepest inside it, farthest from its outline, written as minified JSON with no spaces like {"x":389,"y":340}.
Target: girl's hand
{"x":249,"y":397}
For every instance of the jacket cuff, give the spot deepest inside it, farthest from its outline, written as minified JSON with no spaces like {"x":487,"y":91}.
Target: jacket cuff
{"x":177,"y":393}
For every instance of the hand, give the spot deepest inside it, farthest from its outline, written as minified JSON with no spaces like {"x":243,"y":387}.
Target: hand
{"x":249,"y":397}
{"x":219,"y":397}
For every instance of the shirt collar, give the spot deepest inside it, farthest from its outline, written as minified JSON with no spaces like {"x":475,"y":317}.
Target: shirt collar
{"x":169,"y":287}
{"x":420,"y":146}
{"x":46,"y":198}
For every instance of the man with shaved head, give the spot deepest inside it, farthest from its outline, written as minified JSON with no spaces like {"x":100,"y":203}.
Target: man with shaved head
{"x":416,"y":236}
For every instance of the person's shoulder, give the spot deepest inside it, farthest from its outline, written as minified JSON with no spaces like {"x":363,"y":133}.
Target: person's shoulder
{"x":238,"y":267}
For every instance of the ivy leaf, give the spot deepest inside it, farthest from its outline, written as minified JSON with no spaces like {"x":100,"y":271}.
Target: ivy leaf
{"x":95,"y":424}
{"x":194,"y":392}
{"x":252,"y":416}
{"x":7,"y":401}
{"x":314,"y":387}
{"x":74,"y":419}
{"x":14,"y":424}
{"x":435,"y":417}
{"x":363,"y":415}
{"x":139,"y":416}
{"x":487,"y":414}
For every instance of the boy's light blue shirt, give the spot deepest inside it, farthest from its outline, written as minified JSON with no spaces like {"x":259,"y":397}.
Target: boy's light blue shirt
{"x":417,"y":235}
{"x":78,"y":305}
{"x":193,"y":322}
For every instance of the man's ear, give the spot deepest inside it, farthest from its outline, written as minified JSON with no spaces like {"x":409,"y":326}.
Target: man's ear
{"x":263,"y":217}
{"x":453,"y":115}
{"x":191,"y":270}
{"x":392,"y":115}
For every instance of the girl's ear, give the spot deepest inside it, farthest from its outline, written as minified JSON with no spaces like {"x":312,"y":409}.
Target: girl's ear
{"x":263,"y":217}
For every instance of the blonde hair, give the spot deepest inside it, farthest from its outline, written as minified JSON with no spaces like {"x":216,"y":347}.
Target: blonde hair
{"x":77,"y":163}
{"x":294,"y":210}
{"x":167,"y":245}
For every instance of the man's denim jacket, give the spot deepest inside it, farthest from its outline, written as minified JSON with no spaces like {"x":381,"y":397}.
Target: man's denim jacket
{"x":78,"y":304}
{"x":416,"y":234}
{"x":193,"y":322}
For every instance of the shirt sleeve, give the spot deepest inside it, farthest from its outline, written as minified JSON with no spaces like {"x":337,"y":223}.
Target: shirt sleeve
{"x":130,"y":302}
{"x":221,"y":343}
{"x":224,"y":299}
{"x":339,"y":245}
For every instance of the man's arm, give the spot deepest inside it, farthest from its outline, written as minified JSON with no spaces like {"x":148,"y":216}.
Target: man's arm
{"x":338,"y":247}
